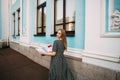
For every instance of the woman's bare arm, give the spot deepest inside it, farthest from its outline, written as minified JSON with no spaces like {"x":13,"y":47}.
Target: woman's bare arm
{"x":48,"y":54}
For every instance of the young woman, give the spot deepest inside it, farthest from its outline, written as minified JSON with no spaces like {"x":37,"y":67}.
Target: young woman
{"x":58,"y":67}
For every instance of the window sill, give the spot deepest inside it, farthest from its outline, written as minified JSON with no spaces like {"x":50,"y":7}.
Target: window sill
{"x":69,"y":55}
{"x":40,"y":34}
{"x":73,"y":58}
{"x":68,"y":33}
{"x":18,"y":35}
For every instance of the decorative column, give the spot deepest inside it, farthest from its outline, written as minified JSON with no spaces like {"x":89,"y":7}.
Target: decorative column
{"x":25,"y":21}
{"x":0,"y":20}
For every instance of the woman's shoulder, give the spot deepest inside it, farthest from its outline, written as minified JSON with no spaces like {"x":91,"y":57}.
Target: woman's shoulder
{"x":57,"y":41}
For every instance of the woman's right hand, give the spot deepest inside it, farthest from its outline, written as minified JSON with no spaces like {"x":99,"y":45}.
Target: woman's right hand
{"x":42,"y":53}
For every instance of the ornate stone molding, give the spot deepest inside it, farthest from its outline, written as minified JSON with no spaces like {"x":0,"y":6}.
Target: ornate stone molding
{"x":115,"y":20}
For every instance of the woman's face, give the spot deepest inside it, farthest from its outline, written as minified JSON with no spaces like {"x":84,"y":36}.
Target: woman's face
{"x":59,"y":34}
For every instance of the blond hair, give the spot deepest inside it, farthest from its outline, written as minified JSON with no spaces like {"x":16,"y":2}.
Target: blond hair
{"x":63,"y":37}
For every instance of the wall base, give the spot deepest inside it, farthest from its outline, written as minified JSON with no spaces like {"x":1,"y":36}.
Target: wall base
{"x":81,"y":70}
{"x":0,"y":44}
{"x":3,"y":44}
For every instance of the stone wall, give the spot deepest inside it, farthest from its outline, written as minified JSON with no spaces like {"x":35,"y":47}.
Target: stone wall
{"x":0,"y":44}
{"x":81,"y":70}
{"x":3,"y":44}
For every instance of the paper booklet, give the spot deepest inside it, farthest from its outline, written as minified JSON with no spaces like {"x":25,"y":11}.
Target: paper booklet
{"x":44,"y":49}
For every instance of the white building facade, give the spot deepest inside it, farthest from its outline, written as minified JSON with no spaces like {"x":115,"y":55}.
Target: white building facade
{"x":92,"y":27}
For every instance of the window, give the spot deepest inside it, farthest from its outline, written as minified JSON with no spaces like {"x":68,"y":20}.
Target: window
{"x":13,"y":23}
{"x":115,"y":16}
{"x":64,"y":16}
{"x":13,"y":1}
{"x":41,"y":17}
{"x":110,"y":19}
{"x":16,"y":23}
{"x":18,"y":11}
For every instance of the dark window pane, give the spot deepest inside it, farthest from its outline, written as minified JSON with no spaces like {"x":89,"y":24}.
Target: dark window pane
{"x":18,"y":21}
{"x":59,"y":11}
{"x":39,"y":30}
{"x":13,"y":23}
{"x":39,"y":17}
{"x":44,"y":18}
{"x":44,"y":30}
{"x":70,"y":10}
{"x":70,"y":27}
{"x":41,"y":1}
{"x":58,"y":27}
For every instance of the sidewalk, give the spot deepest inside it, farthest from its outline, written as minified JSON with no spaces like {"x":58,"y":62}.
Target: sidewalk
{"x":15,"y":66}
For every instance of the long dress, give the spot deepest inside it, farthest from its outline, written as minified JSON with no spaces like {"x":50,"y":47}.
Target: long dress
{"x":58,"y":67}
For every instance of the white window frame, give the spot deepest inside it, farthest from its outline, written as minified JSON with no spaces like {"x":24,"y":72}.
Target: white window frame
{"x":13,"y":2}
{"x":103,"y":32}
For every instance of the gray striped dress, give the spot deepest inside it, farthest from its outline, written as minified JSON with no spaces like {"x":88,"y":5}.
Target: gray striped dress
{"x":58,"y":66}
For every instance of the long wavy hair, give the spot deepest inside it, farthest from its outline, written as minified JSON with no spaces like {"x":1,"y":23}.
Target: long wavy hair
{"x":63,"y":37}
